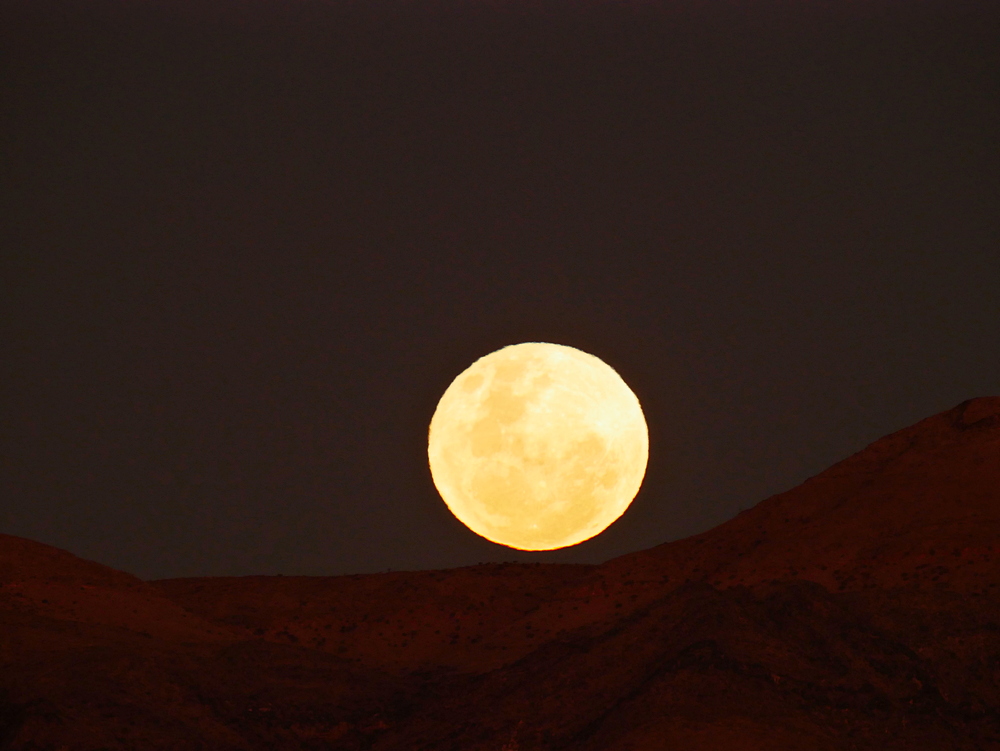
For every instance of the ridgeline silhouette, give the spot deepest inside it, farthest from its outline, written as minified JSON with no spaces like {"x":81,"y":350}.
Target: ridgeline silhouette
{"x":859,"y":610}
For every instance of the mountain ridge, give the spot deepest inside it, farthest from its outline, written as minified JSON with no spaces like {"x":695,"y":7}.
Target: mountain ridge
{"x":859,"y":610}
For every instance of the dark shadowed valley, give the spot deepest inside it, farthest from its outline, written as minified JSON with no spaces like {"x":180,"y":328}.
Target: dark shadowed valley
{"x":860,"y":610}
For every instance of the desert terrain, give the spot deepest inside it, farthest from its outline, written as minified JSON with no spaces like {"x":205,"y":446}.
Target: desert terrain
{"x":859,"y":610}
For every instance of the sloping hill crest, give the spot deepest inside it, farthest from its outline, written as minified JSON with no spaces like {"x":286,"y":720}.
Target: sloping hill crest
{"x":860,"y":610}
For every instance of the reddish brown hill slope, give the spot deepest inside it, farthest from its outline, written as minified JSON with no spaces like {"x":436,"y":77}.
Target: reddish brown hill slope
{"x":458,"y":618}
{"x":39,"y":580}
{"x":859,"y":610}
{"x":918,"y":507}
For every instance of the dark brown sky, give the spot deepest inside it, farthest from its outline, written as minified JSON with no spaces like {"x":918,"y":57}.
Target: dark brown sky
{"x":247,"y":245}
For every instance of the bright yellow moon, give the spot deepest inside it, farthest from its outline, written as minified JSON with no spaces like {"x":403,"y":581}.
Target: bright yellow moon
{"x":538,"y":446}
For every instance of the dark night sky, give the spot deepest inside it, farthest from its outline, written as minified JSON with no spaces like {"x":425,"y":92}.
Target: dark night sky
{"x":247,"y":245}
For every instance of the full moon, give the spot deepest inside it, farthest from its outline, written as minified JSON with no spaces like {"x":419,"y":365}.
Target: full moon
{"x":538,"y":446}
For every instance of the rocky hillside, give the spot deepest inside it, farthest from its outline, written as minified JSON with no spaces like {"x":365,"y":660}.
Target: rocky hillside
{"x":859,"y":610}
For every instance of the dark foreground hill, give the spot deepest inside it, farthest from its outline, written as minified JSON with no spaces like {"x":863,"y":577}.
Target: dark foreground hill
{"x":858,"y":611}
